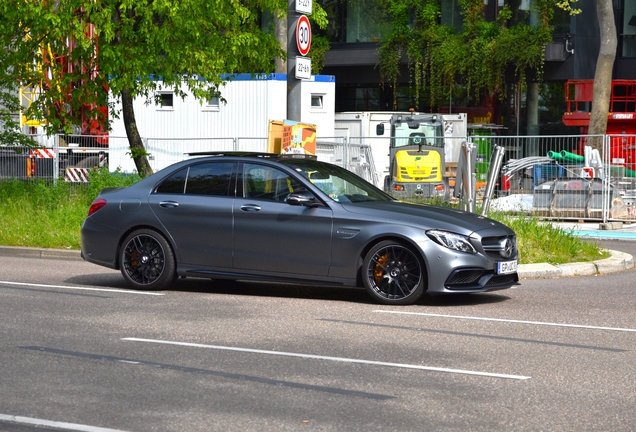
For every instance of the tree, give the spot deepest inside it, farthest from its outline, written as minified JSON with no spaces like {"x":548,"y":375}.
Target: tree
{"x":603,"y":73}
{"x":77,"y":48}
{"x":10,"y":132}
{"x":478,"y":55}
{"x":604,"y":68}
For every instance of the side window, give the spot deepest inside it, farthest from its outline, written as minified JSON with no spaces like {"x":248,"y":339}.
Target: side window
{"x":214,"y":178}
{"x":210,"y":179}
{"x":268,"y":183}
{"x":175,"y":183}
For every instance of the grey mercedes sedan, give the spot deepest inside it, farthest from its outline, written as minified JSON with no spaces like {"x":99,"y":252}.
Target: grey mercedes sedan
{"x":247,"y":216}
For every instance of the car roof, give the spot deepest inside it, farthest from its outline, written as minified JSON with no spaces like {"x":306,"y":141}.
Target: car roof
{"x":272,"y":156}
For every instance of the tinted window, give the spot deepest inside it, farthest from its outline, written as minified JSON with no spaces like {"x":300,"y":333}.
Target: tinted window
{"x":175,"y":183}
{"x":210,"y":179}
{"x":214,"y":178}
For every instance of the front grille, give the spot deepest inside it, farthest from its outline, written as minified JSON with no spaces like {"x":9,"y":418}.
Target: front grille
{"x":494,"y":247}
{"x":462,"y":277}
{"x":479,"y":279}
{"x":508,"y":279}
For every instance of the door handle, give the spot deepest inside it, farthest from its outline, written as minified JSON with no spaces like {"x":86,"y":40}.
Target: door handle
{"x":250,"y":207}
{"x":169,"y":204}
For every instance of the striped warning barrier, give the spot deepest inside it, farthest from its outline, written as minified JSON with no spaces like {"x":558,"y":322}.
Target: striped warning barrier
{"x":76,"y":175}
{"x":43,"y":153}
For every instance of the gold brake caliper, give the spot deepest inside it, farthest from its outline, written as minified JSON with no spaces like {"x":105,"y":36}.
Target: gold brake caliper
{"x":378,"y":270}
{"x":134,"y":259}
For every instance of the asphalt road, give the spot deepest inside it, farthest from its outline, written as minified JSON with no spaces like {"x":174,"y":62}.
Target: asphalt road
{"x":80,"y":349}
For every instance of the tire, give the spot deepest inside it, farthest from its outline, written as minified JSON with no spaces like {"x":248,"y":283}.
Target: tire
{"x":147,"y":261}
{"x":393,"y":274}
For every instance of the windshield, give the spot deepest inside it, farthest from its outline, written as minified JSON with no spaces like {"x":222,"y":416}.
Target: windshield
{"x":425,"y":134}
{"x":339,"y":184}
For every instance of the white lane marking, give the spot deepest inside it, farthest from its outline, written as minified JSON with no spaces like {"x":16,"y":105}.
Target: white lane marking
{"x":55,"y":424}
{"x":80,"y":288}
{"x":509,"y":321}
{"x":337,"y":359}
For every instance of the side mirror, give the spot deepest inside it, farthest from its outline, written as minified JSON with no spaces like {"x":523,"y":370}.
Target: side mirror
{"x":304,"y":198}
{"x":379,"y":129}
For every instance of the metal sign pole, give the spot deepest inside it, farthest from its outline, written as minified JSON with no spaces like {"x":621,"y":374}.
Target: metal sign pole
{"x":293,"y":84}
{"x":298,"y":45}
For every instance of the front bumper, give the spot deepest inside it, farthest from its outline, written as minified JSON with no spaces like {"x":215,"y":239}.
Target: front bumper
{"x":450,"y":271}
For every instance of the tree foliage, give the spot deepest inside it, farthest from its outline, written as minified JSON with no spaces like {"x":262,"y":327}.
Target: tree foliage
{"x":479,"y":55}
{"x":75,"y":49}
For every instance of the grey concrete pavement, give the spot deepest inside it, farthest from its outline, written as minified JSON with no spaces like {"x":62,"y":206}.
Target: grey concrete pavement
{"x":617,"y":262}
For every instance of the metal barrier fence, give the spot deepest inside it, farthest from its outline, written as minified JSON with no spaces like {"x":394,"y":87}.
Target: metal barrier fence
{"x":570,"y":177}
{"x":357,"y":158}
{"x":555,"y":177}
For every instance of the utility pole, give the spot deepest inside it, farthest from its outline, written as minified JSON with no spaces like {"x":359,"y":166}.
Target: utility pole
{"x":298,"y":44}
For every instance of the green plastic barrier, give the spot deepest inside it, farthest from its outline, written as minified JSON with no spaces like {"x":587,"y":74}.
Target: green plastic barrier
{"x":555,"y":156}
{"x":571,"y":157}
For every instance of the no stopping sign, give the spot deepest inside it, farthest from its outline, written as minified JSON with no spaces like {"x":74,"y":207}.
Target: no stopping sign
{"x":303,"y":35}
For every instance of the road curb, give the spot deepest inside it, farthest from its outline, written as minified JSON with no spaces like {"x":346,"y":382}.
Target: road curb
{"x":617,"y":262}
{"x":26,"y":252}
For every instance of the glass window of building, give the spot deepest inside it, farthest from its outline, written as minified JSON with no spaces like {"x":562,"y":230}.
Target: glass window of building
{"x":366,"y":21}
{"x":627,"y":32}
{"x":355,"y":21}
{"x":452,"y":14}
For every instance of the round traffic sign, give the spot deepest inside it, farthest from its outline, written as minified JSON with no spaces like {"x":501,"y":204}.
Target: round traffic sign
{"x":303,"y":35}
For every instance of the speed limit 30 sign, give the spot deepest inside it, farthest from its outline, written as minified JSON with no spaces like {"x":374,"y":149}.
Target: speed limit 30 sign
{"x":303,"y":35}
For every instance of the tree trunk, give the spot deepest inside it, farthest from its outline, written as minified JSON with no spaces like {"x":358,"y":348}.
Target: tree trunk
{"x":280,"y":31}
{"x":603,"y":74}
{"x":137,"y":149}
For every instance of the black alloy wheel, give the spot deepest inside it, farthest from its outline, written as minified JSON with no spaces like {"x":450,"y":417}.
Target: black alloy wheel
{"x":147,"y":261}
{"x":393,"y":274}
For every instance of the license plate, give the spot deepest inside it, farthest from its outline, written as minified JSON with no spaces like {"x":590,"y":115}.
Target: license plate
{"x":507,"y":267}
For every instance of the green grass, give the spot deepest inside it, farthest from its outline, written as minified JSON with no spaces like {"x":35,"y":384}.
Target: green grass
{"x":37,"y":214}
{"x":542,"y":242}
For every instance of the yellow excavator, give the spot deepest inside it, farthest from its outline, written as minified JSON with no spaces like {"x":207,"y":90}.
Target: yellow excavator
{"x":417,"y":163}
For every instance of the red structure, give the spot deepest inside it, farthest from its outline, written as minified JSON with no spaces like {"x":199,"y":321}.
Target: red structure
{"x":621,"y":120}
{"x":91,"y":116}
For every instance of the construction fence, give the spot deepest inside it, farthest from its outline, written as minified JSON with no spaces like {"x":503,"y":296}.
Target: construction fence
{"x":555,"y":177}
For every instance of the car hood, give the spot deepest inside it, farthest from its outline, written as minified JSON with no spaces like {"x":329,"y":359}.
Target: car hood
{"x":427,"y":216}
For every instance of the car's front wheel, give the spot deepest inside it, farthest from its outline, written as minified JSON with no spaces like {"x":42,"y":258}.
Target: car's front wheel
{"x":147,"y":261}
{"x":393,"y":274}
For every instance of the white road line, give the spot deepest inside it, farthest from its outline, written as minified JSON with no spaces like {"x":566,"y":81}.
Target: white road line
{"x":56,"y":424}
{"x":81,"y":288}
{"x":337,"y":359}
{"x":509,"y":321}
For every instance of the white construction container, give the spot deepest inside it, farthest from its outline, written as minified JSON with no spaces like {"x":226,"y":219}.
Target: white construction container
{"x":178,"y":126}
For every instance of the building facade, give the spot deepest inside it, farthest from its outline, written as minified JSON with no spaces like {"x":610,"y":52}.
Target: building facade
{"x":357,"y":28}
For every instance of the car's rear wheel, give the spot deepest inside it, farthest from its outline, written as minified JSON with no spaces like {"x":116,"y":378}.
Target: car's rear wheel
{"x":393,"y":274}
{"x":147,"y":260}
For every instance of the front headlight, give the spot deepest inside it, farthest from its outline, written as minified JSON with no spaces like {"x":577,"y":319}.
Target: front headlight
{"x":451,"y":240}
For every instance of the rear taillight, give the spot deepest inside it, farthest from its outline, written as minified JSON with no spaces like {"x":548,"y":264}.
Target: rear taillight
{"x":96,"y":205}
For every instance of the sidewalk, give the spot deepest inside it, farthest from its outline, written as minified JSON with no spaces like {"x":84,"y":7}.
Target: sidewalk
{"x":600,"y":231}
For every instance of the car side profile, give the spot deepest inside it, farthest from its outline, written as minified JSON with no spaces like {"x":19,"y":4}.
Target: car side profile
{"x":259,"y":216}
